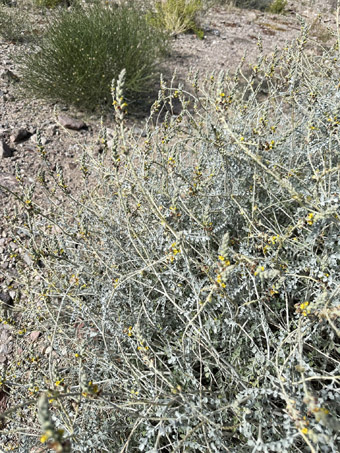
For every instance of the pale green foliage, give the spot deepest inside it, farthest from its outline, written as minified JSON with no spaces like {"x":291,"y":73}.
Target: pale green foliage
{"x":176,"y":16}
{"x":189,"y":294}
{"x":13,"y":25}
{"x":85,"y":48}
{"x":277,"y":6}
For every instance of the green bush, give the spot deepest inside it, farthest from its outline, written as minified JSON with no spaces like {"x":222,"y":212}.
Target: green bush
{"x":277,"y":6}
{"x":13,"y":25}
{"x":85,"y":48}
{"x":188,"y":297}
{"x":176,"y":16}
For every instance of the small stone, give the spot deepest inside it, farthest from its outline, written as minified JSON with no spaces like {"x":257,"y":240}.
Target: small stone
{"x":44,"y":140}
{"x":19,"y":135}
{"x":52,"y":129}
{"x":5,"y":150}
{"x":71,"y":123}
{"x":48,"y":350}
{"x":28,"y":259}
{"x":35,"y":335}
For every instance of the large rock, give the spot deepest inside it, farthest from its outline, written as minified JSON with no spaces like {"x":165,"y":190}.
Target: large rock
{"x":71,"y":123}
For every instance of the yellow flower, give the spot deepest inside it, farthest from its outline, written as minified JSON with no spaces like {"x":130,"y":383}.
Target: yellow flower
{"x":44,"y":438}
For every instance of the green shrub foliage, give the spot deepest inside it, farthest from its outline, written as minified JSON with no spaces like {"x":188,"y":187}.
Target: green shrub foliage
{"x":189,"y":295}
{"x":176,"y":16}
{"x":277,"y":6}
{"x":14,"y":26}
{"x":86,"y":47}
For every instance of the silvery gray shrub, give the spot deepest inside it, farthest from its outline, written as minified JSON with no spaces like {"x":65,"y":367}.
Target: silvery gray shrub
{"x":189,"y":294}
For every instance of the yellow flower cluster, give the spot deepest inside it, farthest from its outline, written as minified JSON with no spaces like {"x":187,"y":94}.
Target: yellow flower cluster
{"x":142,"y":347}
{"x":310,"y":220}
{"x":219,"y":281}
{"x":224,"y":260}
{"x":175,"y":250}
{"x":305,"y":310}
{"x":261,"y":268}
{"x":92,"y":389}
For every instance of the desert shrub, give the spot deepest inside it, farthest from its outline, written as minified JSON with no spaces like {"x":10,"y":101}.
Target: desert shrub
{"x":176,"y":16}
{"x":13,"y":25}
{"x":188,"y":298}
{"x":277,"y":6}
{"x":85,"y":48}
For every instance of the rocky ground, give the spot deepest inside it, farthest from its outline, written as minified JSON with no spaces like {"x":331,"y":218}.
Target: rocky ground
{"x":229,"y":34}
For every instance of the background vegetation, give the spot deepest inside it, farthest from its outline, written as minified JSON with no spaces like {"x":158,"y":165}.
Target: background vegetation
{"x":176,"y":16}
{"x":86,"y":47}
{"x":14,"y":26}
